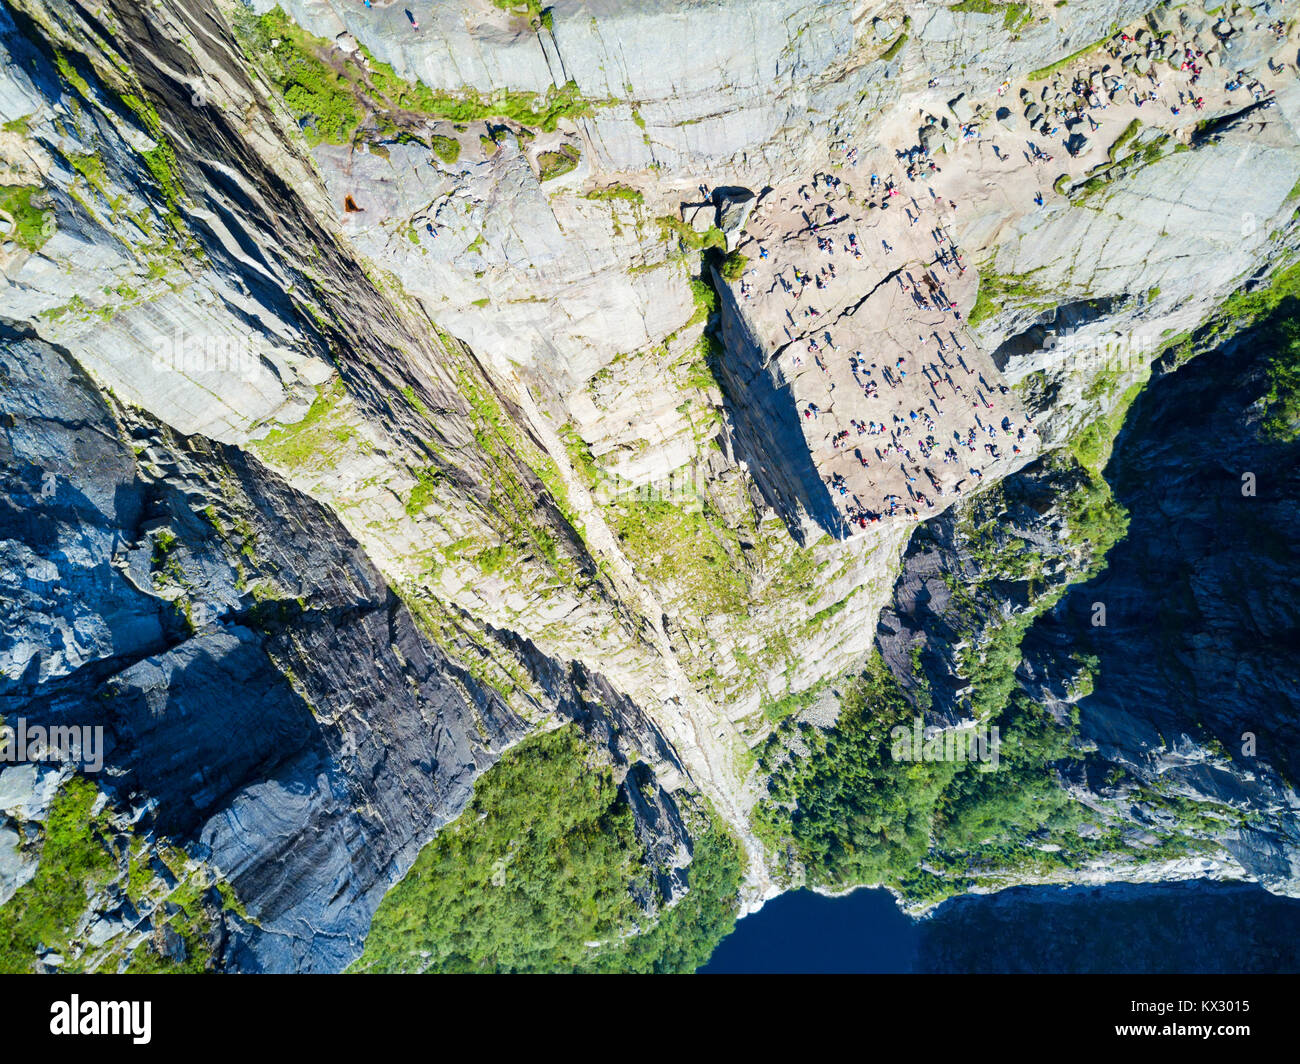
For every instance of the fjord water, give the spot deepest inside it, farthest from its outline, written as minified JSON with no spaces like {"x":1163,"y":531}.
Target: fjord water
{"x":1199,"y":926}
{"x":804,"y":932}
{"x":1216,"y":659}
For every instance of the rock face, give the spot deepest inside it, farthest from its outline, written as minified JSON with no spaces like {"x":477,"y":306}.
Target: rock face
{"x":338,"y":457}
{"x":1185,"y":687}
{"x":1199,"y":689}
{"x":259,"y":684}
{"x":746,"y":104}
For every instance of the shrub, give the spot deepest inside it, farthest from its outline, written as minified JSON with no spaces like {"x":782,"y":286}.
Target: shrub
{"x":553,"y":164}
{"x":445,"y":148}
{"x":30,"y":229}
{"x":733,"y":266}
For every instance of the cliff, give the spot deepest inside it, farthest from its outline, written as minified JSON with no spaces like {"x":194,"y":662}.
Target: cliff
{"x":376,"y":395}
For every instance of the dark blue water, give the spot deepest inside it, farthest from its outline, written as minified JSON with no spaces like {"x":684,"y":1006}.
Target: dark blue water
{"x":1198,"y":927}
{"x":806,"y":932}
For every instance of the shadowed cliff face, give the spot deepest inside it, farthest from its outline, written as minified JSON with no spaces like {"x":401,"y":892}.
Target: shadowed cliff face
{"x":1203,"y":597}
{"x":1198,"y":681}
{"x":766,"y":419}
{"x":1198,"y":604}
{"x":948,"y":598}
{"x":267,"y":701}
{"x":264,"y":695}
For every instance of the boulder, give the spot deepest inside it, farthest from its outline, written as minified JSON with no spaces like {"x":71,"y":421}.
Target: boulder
{"x":16,"y":866}
{"x":172,"y":945}
{"x":734,"y":207}
{"x":700,"y":217}
{"x":886,"y":29}
{"x":111,"y":924}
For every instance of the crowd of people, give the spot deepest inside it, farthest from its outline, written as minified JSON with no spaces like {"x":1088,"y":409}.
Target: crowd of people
{"x":1137,"y":76}
{"x":920,"y":421}
{"x":893,"y":425}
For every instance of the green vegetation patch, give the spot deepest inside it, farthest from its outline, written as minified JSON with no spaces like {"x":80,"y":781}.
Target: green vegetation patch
{"x":162,"y":164}
{"x":776,"y":710}
{"x":1282,"y":401}
{"x":686,"y":936}
{"x":733,"y":266}
{"x":1129,"y":132}
{"x":894,"y":48}
{"x":1092,"y":444}
{"x":1042,"y":73}
{"x":553,"y":164}
{"x":319,"y":96}
{"x":72,"y":75}
{"x":423,"y":492}
{"x":1095,"y":518}
{"x":530,"y":9}
{"x":77,"y":857}
{"x":1254,"y":305}
{"x":616,"y":191}
{"x":534,"y":876}
{"x":997,"y":292}
{"x":74,"y":860}
{"x":847,"y":809}
{"x":705,"y":300}
{"x":32,"y":225}
{"x":685,"y":547}
{"x":91,"y":167}
{"x":514,"y":500}
{"x":445,"y":148}
{"x":317,"y":435}
{"x":328,"y":93}
{"x":1119,"y":164}
{"x":1013,"y":15}
{"x":671,"y":227}
{"x":842,"y":807}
